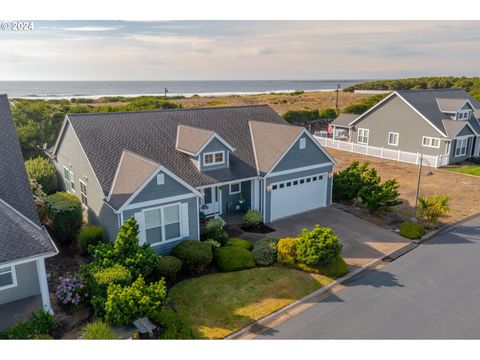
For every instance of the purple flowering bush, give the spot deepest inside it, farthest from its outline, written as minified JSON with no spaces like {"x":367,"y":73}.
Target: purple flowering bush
{"x":71,"y":292}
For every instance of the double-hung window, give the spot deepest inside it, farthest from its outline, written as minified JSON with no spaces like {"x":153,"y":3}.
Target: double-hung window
{"x":393,"y":138}
{"x":83,"y":193}
{"x":162,"y":224}
{"x":362,"y":137}
{"x":461,"y":147}
{"x":69,"y":179}
{"x":214,"y":158}
{"x":8,"y":278}
{"x":431,"y":142}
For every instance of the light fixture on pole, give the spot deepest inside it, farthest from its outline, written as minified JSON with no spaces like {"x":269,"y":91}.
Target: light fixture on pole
{"x":429,"y":173}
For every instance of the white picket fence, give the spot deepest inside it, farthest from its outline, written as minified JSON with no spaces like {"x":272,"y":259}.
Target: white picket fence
{"x":397,"y":155}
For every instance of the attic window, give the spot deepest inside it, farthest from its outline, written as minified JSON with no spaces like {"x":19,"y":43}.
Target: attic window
{"x":160,"y":179}
{"x":463,"y":115}
{"x":303,"y":143}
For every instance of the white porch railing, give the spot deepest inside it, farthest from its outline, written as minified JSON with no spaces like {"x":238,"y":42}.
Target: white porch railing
{"x":397,"y":155}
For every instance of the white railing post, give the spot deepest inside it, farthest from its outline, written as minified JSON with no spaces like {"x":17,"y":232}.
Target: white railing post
{"x":398,"y":156}
{"x":436,"y":161}
{"x":382,"y":152}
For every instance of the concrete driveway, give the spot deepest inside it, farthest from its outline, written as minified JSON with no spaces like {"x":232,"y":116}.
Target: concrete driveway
{"x":362,"y":241}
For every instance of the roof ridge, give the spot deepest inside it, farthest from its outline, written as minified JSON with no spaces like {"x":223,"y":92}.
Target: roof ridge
{"x":165,"y":110}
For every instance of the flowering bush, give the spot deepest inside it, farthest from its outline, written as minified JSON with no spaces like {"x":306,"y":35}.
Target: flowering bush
{"x":71,"y":291}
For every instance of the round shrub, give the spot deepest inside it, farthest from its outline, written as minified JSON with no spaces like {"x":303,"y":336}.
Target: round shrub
{"x":174,"y":327}
{"x":214,"y":244}
{"x":168,"y":268}
{"x":89,"y":235}
{"x":240,"y":243}
{"x":265,"y":252}
{"x":253,"y":218}
{"x":214,"y":230}
{"x":41,"y":172}
{"x":99,"y":330}
{"x":286,"y":251}
{"x":411,"y":230}
{"x":317,"y":247}
{"x":65,"y":211}
{"x":195,"y":255}
{"x":233,"y":258}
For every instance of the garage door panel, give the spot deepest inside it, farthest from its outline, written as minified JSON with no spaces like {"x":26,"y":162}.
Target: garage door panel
{"x":298,"y":195}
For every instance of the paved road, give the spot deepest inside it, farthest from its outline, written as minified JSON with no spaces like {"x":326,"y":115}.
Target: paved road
{"x":432,"y":292}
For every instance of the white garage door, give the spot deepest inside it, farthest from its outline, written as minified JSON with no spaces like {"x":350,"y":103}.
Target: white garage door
{"x":298,"y":195}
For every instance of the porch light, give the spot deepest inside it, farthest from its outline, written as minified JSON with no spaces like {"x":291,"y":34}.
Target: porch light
{"x":269,"y":188}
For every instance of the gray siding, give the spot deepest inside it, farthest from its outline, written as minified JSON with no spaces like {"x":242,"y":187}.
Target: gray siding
{"x":465,"y":131}
{"x":274,"y":179}
{"x":297,"y":157}
{"x":164,"y":249}
{"x":214,"y":145}
{"x":152,"y":191}
{"x":226,"y":197}
{"x":396,"y":116}
{"x":71,"y":155}
{"x":27,"y":284}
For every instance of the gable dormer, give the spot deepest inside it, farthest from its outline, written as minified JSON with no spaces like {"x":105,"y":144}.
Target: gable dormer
{"x":206,"y":149}
{"x":456,"y":109}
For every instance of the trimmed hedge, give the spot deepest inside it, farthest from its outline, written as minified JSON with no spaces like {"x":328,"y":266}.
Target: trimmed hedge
{"x":265,"y":251}
{"x":195,"y":255}
{"x":233,"y":258}
{"x":99,"y":330}
{"x":89,"y":235}
{"x":253,"y":218}
{"x":240,"y":243}
{"x":320,"y":246}
{"x":411,"y":230}
{"x":65,"y":210}
{"x":174,"y":327}
{"x":168,"y":267}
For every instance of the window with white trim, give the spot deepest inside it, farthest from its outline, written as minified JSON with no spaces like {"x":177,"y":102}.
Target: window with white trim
{"x":393,"y":138}
{"x":83,"y":193}
{"x":303,"y":143}
{"x":235,"y":188}
{"x":461,"y":147}
{"x":463,"y":115}
{"x":69,"y":179}
{"x":362,"y":137}
{"x":214,"y":158}
{"x":432,"y":142}
{"x":8,"y":278}
{"x":162,"y":224}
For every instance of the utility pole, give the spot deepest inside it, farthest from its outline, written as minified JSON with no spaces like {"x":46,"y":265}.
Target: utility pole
{"x":336,"y":99}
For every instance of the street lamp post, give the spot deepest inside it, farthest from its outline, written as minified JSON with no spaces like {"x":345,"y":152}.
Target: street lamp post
{"x":429,"y":173}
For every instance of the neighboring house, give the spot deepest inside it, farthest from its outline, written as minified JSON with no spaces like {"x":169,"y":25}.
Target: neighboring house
{"x":24,"y":242}
{"x":166,"y":167}
{"x":431,"y":122}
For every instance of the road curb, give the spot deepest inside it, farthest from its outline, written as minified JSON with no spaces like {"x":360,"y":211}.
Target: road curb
{"x":286,"y":310}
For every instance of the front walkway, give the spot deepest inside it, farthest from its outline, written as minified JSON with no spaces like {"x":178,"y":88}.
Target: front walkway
{"x":19,"y":310}
{"x":362,"y":241}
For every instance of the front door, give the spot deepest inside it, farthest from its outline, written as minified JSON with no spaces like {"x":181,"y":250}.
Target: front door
{"x":211,"y":201}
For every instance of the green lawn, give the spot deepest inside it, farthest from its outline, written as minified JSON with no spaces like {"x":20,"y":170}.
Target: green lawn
{"x":472,"y":170}
{"x":216,"y":305}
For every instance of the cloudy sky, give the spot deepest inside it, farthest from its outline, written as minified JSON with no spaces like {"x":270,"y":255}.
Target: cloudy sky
{"x":239,"y":50}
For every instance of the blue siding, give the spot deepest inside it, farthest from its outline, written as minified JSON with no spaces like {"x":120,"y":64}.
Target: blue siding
{"x":27,"y":284}
{"x":245,"y":192}
{"x":214,"y":145}
{"x":164,"y":249}
{"x":297,"y":157}
{"x":154,"y":192}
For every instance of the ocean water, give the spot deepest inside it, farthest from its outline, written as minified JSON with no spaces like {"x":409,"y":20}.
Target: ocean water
{"x":95,"y":89}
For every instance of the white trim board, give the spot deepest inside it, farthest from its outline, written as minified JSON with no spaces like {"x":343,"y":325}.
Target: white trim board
{"x":13,"y":275}
{"x":158,"y":202}
{"x":300,"y":169}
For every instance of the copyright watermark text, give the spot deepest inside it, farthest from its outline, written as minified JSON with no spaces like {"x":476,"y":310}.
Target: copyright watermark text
{"x":16,"y":25}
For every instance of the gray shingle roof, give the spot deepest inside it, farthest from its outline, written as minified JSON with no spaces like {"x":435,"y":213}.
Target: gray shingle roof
{"x":451,"y":105}
{"x":453,"y":127}
{"x":425,"y":102}
{"x":152,"y":134}
{"x":344,"y":119}
{"x":21,"y":235}
{"x":191,"y":140}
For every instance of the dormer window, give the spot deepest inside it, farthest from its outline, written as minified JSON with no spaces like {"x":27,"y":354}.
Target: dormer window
{"x":214,"y":158}
{"x":463,"y":115}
